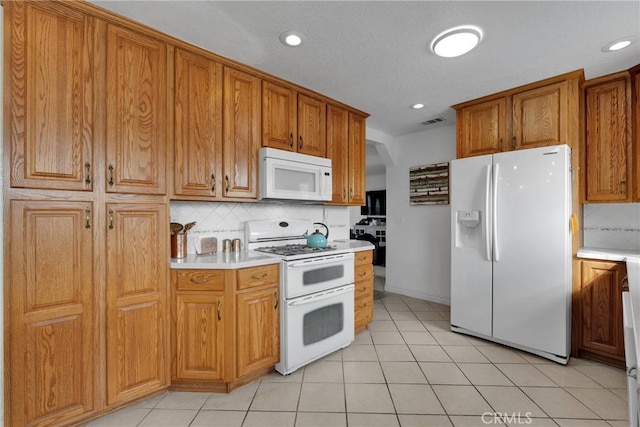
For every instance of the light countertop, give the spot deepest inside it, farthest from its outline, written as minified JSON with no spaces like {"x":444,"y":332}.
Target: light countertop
{"x":243,"y":259}
{"x":224,"y":260}
{"x":607,"y":254}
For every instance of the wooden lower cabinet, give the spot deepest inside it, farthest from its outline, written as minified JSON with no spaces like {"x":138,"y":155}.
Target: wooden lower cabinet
{"x":363,"y":297}
{"x":600,"y":328}
{"x":136,"y":300}
{"x":51,"y":368}
{"x":217,"y":345}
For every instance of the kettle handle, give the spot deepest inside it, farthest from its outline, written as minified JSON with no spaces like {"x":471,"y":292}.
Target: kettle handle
{"x":325,"y":227}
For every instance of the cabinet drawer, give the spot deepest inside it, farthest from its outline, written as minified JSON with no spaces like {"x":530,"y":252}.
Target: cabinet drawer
{"x":258,"y":276}
{"x":198,"y":280}
{"x":363,"y":289}
{"x":363,"y":257}
{"x":363,"y":273}
{"x":363,"y":313}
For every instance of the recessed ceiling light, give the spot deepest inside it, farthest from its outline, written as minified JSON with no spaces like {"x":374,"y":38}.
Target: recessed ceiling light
{"x":417,"y":106}
{"x":616,"y":45}
{"x":291,"y":38}
{"x":456,"y":41}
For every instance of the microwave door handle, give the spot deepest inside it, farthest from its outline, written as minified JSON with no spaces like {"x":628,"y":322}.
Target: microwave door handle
{"x":321,"y":296}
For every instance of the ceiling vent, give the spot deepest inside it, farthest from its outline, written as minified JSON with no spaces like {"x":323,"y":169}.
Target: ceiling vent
{"x":434,"y":121}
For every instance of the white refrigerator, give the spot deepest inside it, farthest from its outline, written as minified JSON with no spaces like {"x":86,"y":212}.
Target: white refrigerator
{"x":511,"y":249}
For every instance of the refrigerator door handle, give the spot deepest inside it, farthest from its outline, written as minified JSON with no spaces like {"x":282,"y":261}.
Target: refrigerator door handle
{"x":494,"y":231}
{"x":487,"y":200}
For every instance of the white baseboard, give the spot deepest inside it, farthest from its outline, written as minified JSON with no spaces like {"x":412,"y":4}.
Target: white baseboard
{"x":419,"y":295}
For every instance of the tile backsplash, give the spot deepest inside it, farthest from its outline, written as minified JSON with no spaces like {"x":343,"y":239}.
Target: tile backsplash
{"x":226,"y":220}
{"x":612,"y":225}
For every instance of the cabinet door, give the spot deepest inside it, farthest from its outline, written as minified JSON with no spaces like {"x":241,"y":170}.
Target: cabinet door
{"x":540,"y":117}
{"x":198,"y":125}
{"x":601,"y":294}
{"x":357,"y":160}
{"x":279,"y":114}
{"x":481,"y":128}
{"x":241,"y":133}
{"x":311,"y":126}
{"x":258,"y":330}
{"x":338,"y":152}
{"x":608,"y":140}
{"x":136,"y":112}
{"x":200,"y":336}
{"x":137,"y":268}
{"x":50,"y":84}
{"x":51,"y":341}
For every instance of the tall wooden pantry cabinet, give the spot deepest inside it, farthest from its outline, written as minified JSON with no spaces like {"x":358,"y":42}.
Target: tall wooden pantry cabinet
{"x":86,"y":274}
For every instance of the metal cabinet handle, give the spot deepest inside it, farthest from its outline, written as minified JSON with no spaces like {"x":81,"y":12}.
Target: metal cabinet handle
{"x":500,"y":145}
{"x":364,"y":273}
{"x":291,"y":140}
{"x":301,"y":143}
{"x":258,"y":277}
{"x":351,"y":193}
{"x":362,"y":258}
{"x":226,"y":180}
{"x":110,"y":175}
{"x":87,"y":213}
{"x":364,"y":288}
{"x":110,"y":219}
{"x":514,"y":142}
{"x":87,"y":179}
{"x":623,"y":187}
{"x":219,"y":310}
{"x":344,"y":193}
{"x":275,"y":297}
{"x":199,"y":282}
{"x":213,"y":183}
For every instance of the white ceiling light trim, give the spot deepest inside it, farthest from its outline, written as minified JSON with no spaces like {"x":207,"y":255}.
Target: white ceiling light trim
{"x":292,"y":38}
{"x":618,"y":44}
{"x":456,"y":41}
{"x":417,"y":106}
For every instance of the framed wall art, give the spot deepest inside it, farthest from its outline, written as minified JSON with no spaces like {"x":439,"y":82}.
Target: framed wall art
{"x":429,"y":184}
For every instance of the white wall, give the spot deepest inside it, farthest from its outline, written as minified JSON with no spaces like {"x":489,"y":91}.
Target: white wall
{"x":418,"y":237}
{"x":612,"y":225}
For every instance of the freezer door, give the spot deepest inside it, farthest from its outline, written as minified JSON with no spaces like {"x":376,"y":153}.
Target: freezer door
{"x":470,"y":247}
{"x":532,"y":249}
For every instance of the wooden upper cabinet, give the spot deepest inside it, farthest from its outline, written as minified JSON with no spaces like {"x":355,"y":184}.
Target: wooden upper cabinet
{"x":357,"y":160}
{"x":51,"y":341}
{"x":136,"y":300}
{"x":608,"y":139}
{"x":635,"y":134}
{"x":601,"y":305}
{"x":241,"y":133}
{"x":136,"y":143}
{"x":311,"y":125}
{"x":338,"y":152}
{"x":198,"y":126}
{"x":539,"y":114}
{"x":279,"y":117}
{"x":482,"y":128}
{"x":51,"y":80}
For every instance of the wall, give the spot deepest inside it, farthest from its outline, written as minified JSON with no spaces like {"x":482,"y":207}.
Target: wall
{"x":374,"y":182}
{"x":612,"y":225}
{"x":226,"y":220}
{"x":418,"y":249}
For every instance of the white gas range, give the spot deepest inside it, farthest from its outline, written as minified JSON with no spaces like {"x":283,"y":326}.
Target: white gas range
{"x":317,"y":315}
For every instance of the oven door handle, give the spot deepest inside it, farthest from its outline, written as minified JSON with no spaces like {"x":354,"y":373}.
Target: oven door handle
{"x":309,"y":299}
{"x":337,"y":259}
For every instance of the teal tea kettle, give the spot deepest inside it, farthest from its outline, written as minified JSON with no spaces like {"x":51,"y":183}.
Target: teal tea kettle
{"x":317,"y":239}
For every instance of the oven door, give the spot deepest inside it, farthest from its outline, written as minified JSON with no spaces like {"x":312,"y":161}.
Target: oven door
{"x":315,"y":325}
{"x":311,"y":275}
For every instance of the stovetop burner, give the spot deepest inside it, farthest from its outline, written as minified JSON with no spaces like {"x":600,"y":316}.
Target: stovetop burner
{"x":296,"y":249}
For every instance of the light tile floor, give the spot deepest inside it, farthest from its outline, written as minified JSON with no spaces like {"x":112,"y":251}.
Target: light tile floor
{"x":406,"y":370}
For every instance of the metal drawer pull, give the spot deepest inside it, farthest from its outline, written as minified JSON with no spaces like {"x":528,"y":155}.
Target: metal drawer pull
{"x":226,"y":180}
{"x":259,"y":277}
{"x":364,"y":273}
{"x":87,"y":180}
{"x":364,"y":288}
{"x":213,"y":183}
{"x":87,"y":213}
{"x":204,"y":280}
{"x":110,"y":219}
{"x":291,"y":140}
{"x":110,"y":175}
{"x":219,"y":306}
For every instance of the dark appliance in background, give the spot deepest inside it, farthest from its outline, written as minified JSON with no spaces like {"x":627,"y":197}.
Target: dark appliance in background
{"x":376,"y":203}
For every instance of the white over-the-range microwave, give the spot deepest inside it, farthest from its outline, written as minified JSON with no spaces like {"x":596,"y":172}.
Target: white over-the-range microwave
{"x":285,"y":175}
